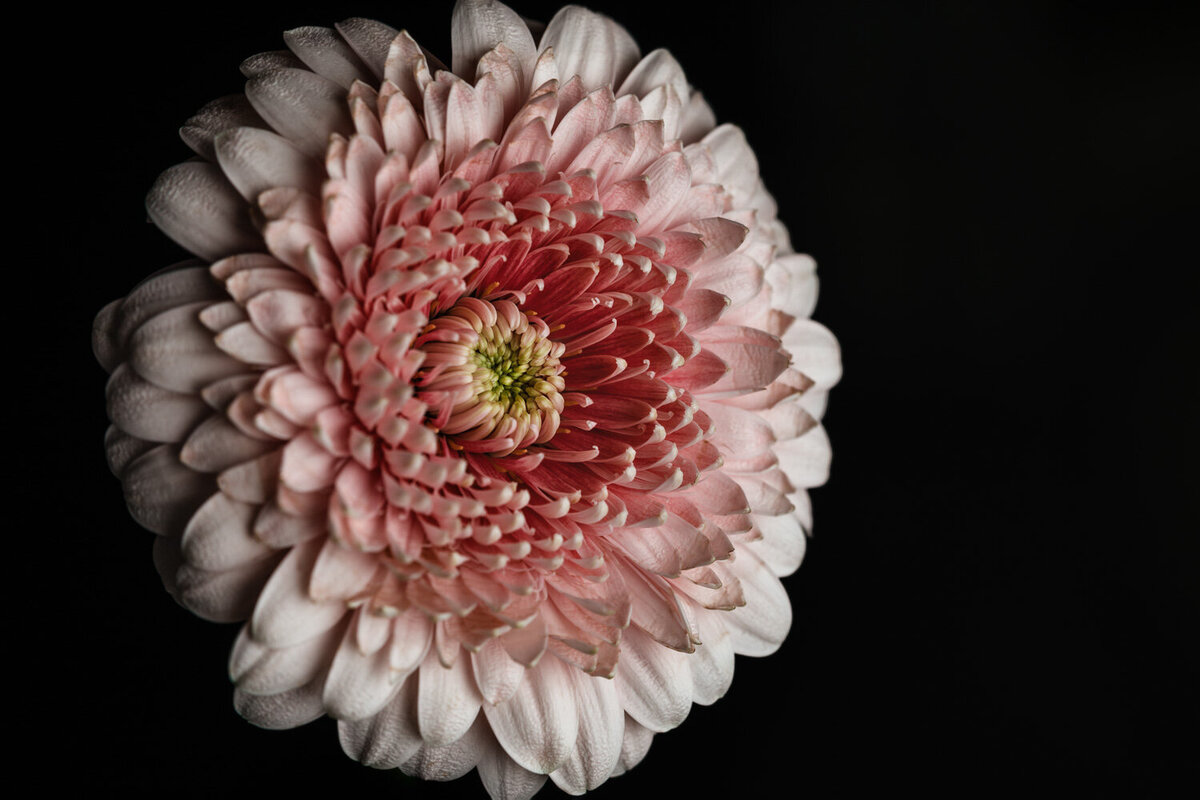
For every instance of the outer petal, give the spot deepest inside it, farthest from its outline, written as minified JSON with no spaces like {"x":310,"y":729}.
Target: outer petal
{"x":477,"y":26}
{"x":654,"y":682}
{"x":601,"y":731}
{"x":194,"y":205}
{"x":538,"y":725}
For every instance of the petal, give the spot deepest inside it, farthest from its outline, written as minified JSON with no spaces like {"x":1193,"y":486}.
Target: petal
{"x":175,"y":351}
{"x":815,"y":352}
{"x":478,"y":26}
{"x":450,"y":761}
{"x":194,"y":205}
{"x":281,"y":711}
{"x":760,"y":626}
{"x":783,"y":542}
{"x":222,"y":114}
{"x":302,"y":106}
{"x":634,"y":746}
{"x":262,"y":670}
{"x":358,"y":685}
{"x":496,"y":674}
{"x":505,"y":779}
{"x":388,"y":739}
{"x":120,"y":449}
{"x":537,"y":726}
{"x":285,"y":614}
{"x":369,"y":39}
{"x":327,"y":54}
{"x":601,"y":731}
{"x":658,"y":68}
{"x":222,"y":595}
{"x":161,"y":492}
{"x":589,"y":45}
{"x":307,"y":466}
{"x":217,"y":445}
{"x":142,"y":409}
{"x":712,"y":663}
{"x":654,"y":682}
{"x":447,"y":701}
{"x":805,"y":460}
{"x":219,"y":535}
{"x":255,"y":160}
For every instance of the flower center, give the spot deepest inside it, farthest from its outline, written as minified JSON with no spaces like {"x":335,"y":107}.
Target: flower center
{"x":494,"y":380}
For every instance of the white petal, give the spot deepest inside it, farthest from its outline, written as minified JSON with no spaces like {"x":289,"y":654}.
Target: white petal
{"x":793,"y":283}
{"x":194,"y":205}
{"x":658,"y":68}
{"x":340,"y":572}
{"x":447,"y":701}
{"x":450,"y":761}
{"x":505,"y":779}
{"x":815,"y":352}
{"x":252,"y":481}
{"x":177,"y":285}
{"x":814,"y":401}
{"x":537,"y":726}
{"x":262,"y":63}
{"x":496,"y":674}
{"x":737,"y":167}
{"x":121,"y":449}
{"x":805,"y":459}
{"x":696,"y":119}
{"x":222,"y":114}
{"x":601,"y":731}
{"x":284,"y":710}
{"x":411,"y":635}
{"x":327,"y":54}
{"x":104,"y":345}
{"x":285,"y":613}
{"x":247,"y":345}
{"x":388,"y":739}
{"x":175,"y":351}
{"x":282,"y":670}
{"x":634,"y":746}
{"x":302,"y":106}
{"x":477,"y":26}
{"x":369,"y":39}
{"x":245,"y":654}
{"x":255,"y":160}
{"x":589,"y":45}
{"x":224,"y":595}
{"x":359,"y":685}
{"x":217,"y":445}
{"x":149,"y":412}
{"x":783,"y":542}
{"x":161,"y":492}
{"x":219,"y":535}
{"x":654,"y":682}
{"x":371,"y":631}
{"x":760,"y":626}
{"x":278,"y":529}
{"x":712,"y":663}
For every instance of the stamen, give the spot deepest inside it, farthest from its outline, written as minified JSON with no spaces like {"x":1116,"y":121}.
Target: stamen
{"x":507,"y":386}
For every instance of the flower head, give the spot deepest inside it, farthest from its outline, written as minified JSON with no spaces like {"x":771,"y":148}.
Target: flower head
{"x":490,"y":401}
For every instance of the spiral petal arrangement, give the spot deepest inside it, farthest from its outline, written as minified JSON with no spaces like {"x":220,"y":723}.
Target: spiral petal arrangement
{"x":489,"y":402}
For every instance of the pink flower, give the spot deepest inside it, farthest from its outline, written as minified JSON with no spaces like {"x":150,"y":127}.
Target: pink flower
{"x":489,"y":402}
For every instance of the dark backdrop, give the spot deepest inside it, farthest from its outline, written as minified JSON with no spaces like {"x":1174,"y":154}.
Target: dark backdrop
{"x":1002,"y":591}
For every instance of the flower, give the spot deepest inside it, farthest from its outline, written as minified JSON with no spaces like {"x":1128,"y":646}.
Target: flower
{"x":490,"y":400}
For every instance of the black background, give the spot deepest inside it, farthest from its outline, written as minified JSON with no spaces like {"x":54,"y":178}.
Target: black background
{"x":1002,"y":590}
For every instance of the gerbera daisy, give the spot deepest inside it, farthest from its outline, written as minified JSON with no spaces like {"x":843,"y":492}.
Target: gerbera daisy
{"x":489,"y":402}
